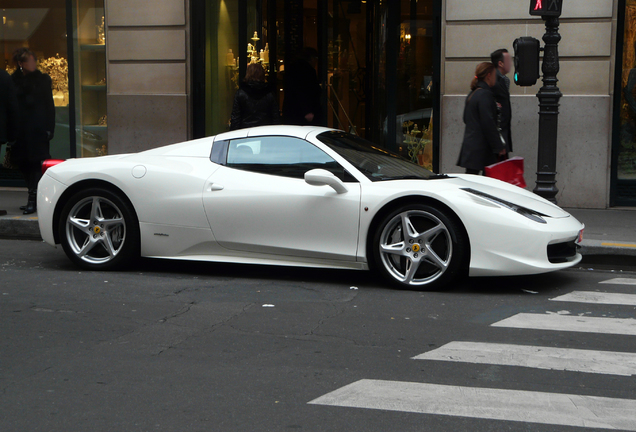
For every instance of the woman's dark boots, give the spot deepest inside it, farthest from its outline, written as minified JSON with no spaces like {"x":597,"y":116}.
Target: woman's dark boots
{"x":31,"y":206}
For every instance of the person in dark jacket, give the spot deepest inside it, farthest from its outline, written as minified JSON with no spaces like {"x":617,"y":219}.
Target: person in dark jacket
{"x":302,"y":90}
{"x":503,"y":62}
{"x":254,"y":103}
{"x":8,"y":109}
{"x":482,"y":142}
{"x":8,"y":112}
{"x":37,"y":121}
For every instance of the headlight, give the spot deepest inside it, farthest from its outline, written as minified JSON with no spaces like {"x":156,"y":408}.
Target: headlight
{"x":530,"y":214}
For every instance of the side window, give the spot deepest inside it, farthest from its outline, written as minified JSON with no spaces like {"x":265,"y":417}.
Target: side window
{"x":282,"y":156}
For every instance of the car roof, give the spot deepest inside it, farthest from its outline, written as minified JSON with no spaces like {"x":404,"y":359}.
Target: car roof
{"x":276,"y":130}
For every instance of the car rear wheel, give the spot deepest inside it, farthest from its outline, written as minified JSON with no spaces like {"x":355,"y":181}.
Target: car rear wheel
{"x":420,"y":247}
{"x":99,"y":230}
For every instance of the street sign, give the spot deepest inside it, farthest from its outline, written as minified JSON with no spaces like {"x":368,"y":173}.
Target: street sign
{"x":546,"y":7}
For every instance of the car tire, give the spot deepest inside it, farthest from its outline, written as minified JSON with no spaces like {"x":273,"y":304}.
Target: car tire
{"x":98,"y":230}
{"x":431,"y":255}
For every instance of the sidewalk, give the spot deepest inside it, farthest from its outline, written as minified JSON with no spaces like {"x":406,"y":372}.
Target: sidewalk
{"x":608,"y":233}
{"x":15,"y":224}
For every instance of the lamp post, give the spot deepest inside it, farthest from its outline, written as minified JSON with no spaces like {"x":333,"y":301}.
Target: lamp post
{"x":549,"y":96}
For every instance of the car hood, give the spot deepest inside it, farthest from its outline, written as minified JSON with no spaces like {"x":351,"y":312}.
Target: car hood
{"x":498,"y":189}
{"x":508,"y":192}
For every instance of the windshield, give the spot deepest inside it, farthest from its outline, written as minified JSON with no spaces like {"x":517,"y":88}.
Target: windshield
{"x":375,"y":163}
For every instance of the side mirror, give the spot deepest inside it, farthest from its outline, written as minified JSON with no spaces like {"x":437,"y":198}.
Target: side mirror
{"x":321,"y":177}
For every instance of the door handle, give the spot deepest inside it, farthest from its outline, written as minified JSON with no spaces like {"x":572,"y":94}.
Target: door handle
{"x":216,"y":187}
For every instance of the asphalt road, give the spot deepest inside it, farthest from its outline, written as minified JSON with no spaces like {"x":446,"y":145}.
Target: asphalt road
{"x":179,"y":346}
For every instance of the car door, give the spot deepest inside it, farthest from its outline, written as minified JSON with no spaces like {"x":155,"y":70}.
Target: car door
{"x":259,"y":202}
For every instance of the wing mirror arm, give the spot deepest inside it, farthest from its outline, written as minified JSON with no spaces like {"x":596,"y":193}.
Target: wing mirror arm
{"x":321,"y":177}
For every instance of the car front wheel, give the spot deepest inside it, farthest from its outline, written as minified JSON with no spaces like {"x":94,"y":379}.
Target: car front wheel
{"x":419,"y":246}
{"x":99,"y":230}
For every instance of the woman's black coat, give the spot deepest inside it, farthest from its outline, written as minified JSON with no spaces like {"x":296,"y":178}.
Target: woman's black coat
{"x":302,"y":94}
{"x":482,"y":141}
{"x":8,"y":108}
{"x":37,"y":117}
{"x":254,"y":105}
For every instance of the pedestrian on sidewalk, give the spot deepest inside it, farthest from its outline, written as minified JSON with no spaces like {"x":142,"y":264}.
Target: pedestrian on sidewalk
{"x":503,"y":62}
{"x":482,"y":144}
{"x":8,"y":113}
{"x":254,"y":102}
{"x":302,"y":90}
{"x":37,"y":121}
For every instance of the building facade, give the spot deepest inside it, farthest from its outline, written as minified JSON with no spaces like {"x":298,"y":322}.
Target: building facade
{"x":142,"y":74}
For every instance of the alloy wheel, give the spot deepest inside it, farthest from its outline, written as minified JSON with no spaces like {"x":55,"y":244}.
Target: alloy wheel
{"x":416,"y":247}
{"x":95,"y":230}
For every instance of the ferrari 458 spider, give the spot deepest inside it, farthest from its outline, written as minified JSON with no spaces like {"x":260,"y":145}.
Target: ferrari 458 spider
{"x":300,"y":196}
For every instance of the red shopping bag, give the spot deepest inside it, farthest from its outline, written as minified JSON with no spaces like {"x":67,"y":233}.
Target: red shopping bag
{"x":510,"y":171}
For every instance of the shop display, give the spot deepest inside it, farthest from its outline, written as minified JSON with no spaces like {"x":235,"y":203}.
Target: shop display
{"x":57,"y":68}
{"x":90,"y":79}
{"x":256,"y":56}
{"x":101,"y":33}
{"x":419,"y":143}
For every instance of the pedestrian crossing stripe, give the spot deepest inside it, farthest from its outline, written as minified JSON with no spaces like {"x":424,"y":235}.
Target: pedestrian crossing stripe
{"x":620,"y":281}
{"x":598,"y":298}
{"x":618,"y":326}
{"x":572,"y":360}
{"x":486,"y":403}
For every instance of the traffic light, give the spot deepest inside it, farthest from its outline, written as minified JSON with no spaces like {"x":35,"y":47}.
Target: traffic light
{"x":526,"y":61}
{"x":546,"y":7}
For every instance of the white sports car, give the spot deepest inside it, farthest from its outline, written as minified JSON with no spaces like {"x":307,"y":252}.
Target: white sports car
{"x":300,"y":196}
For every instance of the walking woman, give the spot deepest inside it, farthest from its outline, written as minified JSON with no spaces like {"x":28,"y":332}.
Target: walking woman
{"x":254,"y":103}
{"x":482,"y":143}
{"x":36,"y":124}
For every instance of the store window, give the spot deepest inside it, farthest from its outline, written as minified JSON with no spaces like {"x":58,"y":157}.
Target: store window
{"x":415,"y":70}
{"x":377,"y":62}
{"x":89,"y":73}
{"x":624,"y":157}
{"x":77,"y":68}
{"x":346,"y":67}
{"x":41,"y":27}
{"x":221,"y":63}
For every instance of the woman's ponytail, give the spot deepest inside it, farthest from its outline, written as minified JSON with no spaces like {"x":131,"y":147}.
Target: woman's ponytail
{"x":481,"y":72}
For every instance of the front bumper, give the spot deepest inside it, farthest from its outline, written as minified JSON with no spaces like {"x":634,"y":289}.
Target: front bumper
{"x":531,"y":248}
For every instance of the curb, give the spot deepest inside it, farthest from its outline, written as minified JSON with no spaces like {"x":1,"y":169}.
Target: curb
{"x":607,"y":247}
{"x":19,"y":227}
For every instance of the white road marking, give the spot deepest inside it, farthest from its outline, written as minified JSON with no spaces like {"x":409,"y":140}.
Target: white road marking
{"x":574,"y":360}
{"x":620,"y":281}
{"x":621,"y":326}
{"x":598,"y":297}
{"x":485,"y":403}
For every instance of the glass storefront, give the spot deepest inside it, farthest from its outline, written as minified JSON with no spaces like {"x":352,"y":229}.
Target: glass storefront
{"x":89,"y":73}
{"x":415,"y":75}
{"x":77,"y":69}
{"x":623,"y":190}
{"x":377,"y":65}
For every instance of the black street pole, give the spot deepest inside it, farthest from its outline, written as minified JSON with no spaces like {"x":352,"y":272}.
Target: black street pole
{"x":549,"y":96}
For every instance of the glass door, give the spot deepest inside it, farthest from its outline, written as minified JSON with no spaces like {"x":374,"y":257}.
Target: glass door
{"x":623,"y":187}
{"x":347,"y":66}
